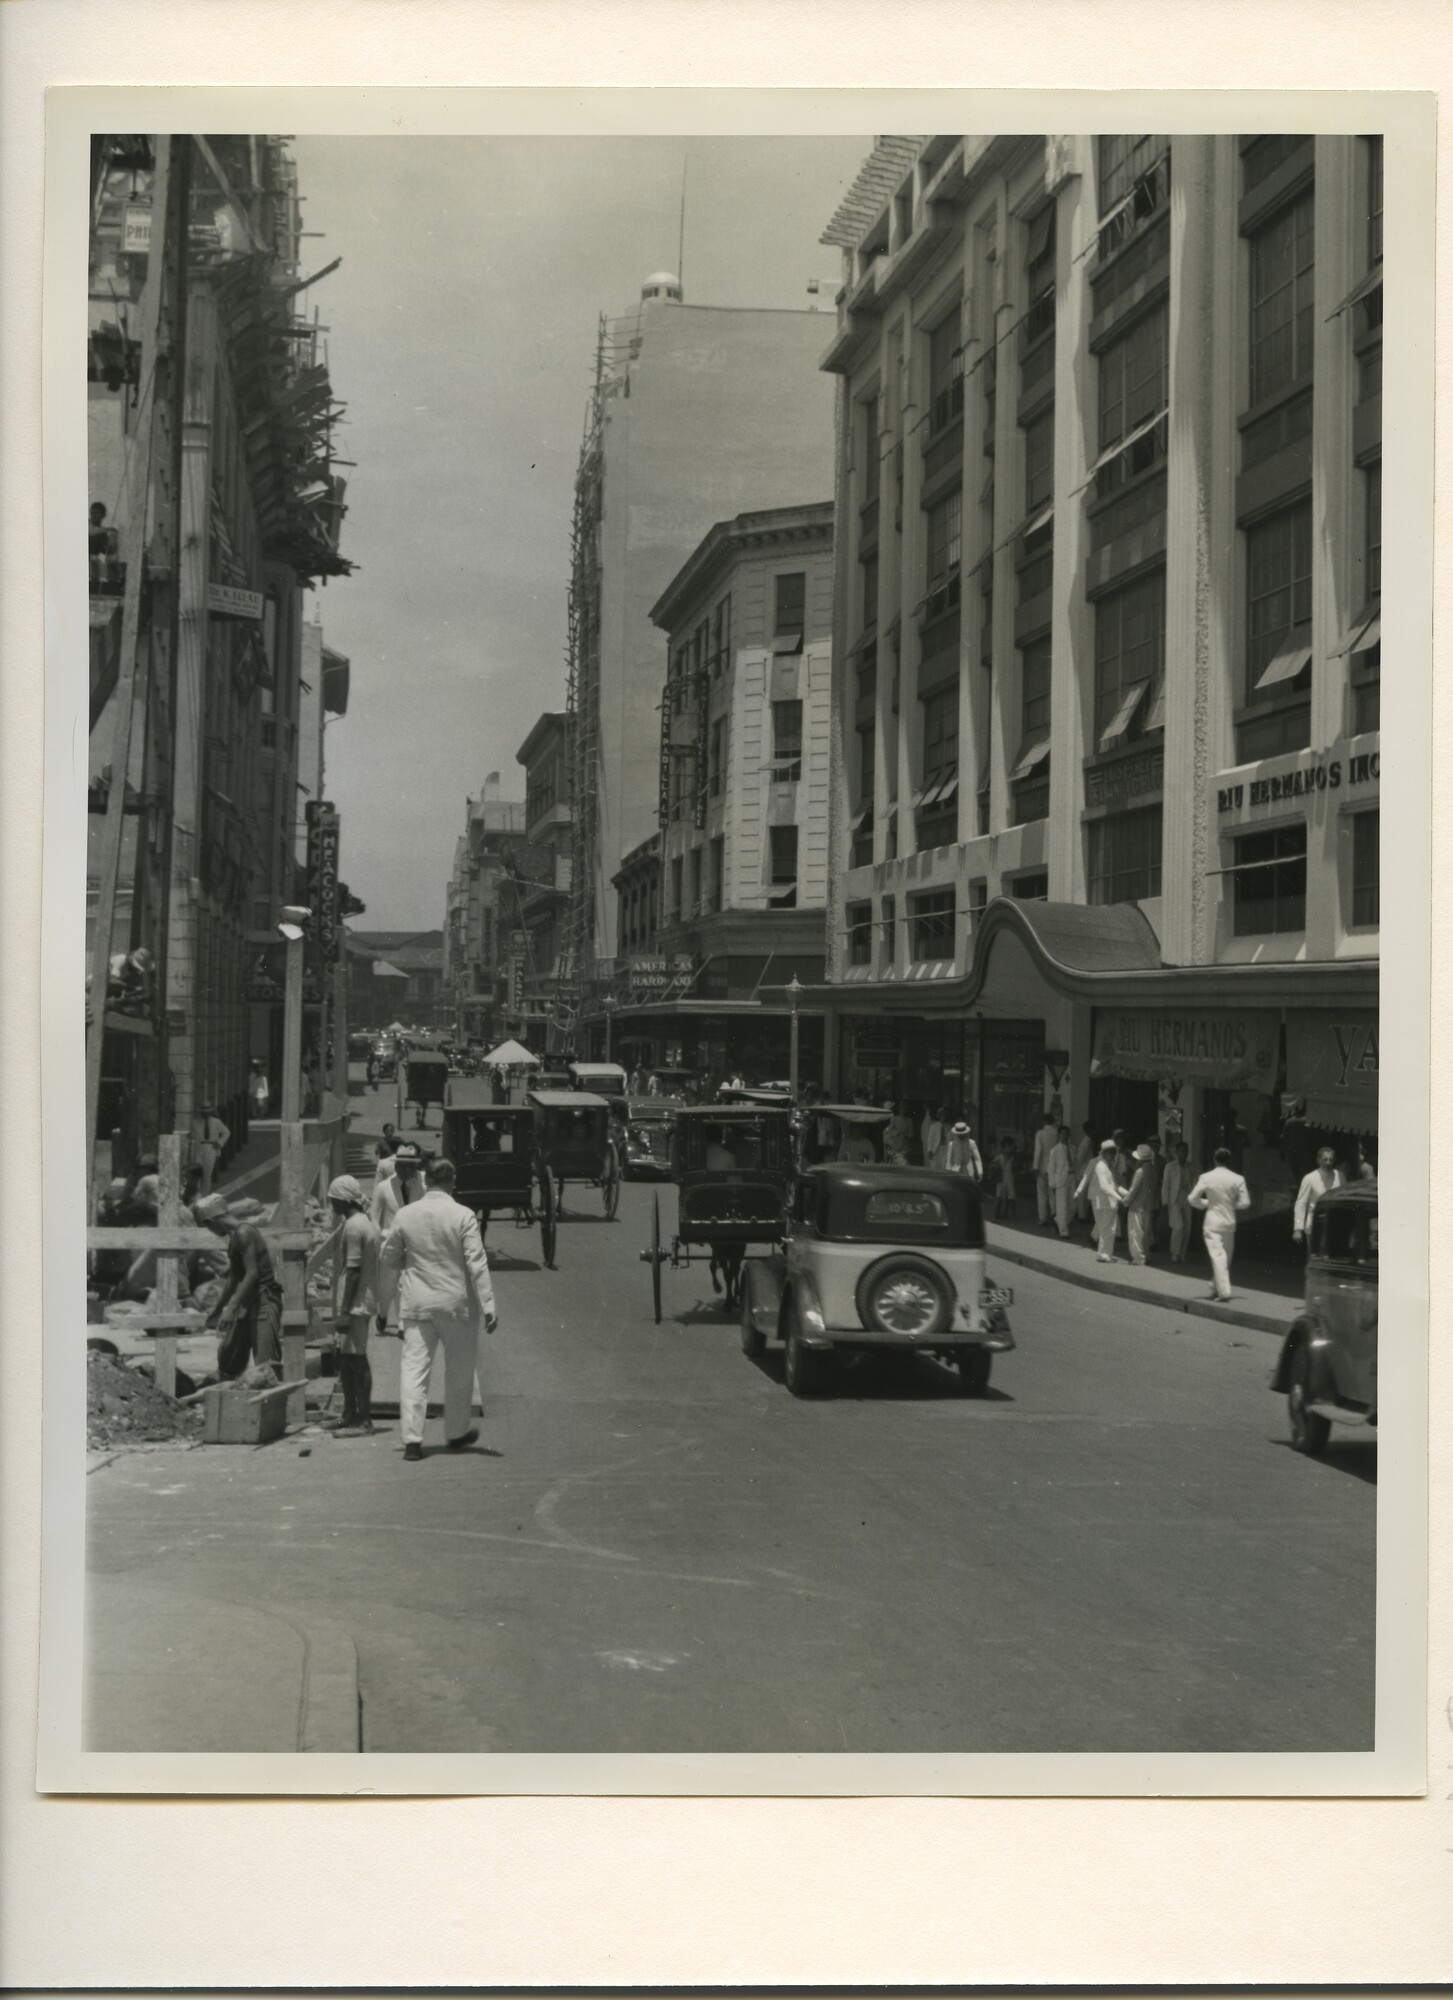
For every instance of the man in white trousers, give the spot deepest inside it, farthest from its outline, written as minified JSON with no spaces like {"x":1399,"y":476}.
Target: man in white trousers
{"x":433,"y":1256}
{"x":1222,"y":1194}
{"x":1045,"y":1140}
{"x":1107,"y":1198}
{"x":1061,"y":1175}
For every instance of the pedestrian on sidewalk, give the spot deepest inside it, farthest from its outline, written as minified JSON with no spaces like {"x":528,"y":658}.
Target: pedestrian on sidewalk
{"x":961,"y":1154}
{"x":897,"y":1137}
{"x":433,"y":1258}
{"x":1222,"y":1194}
{"x":1060,"y":1173}
{"x":258,"y":1092}
{"x":1140,"y":1203}
{"x":357,"y":1300}
{"x":1006,"y":1194}
{"x":932,"y":1132}
{"x":249,"y":1314}
{"x":1045,"y":1140}
{"x":1175,"y":1186}
{"x":1085,"y":1152}
{"x":1106,"y":1198}
{"x":211,"y":1138}
{"x":397,"y":1190}
{"x":1321,"y":1180}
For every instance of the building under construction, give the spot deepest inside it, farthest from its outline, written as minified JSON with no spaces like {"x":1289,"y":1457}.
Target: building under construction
{"x":697,"y":414}
{"x":215,"y":500}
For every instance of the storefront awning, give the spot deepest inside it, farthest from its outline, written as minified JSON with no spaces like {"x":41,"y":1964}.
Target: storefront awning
{"x":1332,"y":1062}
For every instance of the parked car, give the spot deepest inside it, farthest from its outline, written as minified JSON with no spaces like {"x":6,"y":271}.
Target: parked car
{"x":1327,"y":1369}
{"x":878,"y":1257}
{"x":649,"y":1123}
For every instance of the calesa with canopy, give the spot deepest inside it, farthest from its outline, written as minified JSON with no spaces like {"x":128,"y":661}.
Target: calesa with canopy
{"x":576,"y":1142}
{"x":732,"y":1164}
{"x":498,"y":1164}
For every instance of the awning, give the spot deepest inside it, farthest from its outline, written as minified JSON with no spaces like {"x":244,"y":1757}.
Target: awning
{"x":512,"y":1055}
{"x":780,"y":891}
{"x":1030,"y":525}
{"x":1124,"y":715}
{"x":787,"y":642}
{"x":1295,"y":653}
{"x":1120,"y":447}
{"x":860,"y":819}
{"x":1364,"y":632}
{"x":1034,"y":755}
{"x":1361,"y":290}
{"x":1332,"y":1062}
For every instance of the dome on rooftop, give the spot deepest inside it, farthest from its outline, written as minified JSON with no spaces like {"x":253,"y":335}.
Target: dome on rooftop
{"x":662,"y":285}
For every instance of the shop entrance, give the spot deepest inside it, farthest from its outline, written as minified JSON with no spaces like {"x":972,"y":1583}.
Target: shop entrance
{"x":1123,"y":1103}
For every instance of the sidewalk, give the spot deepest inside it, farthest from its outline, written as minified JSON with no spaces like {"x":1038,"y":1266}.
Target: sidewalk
{"x":1182,"y":1288}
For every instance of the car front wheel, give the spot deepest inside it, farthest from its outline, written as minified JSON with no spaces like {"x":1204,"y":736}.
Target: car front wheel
{"x":1309,"y":1431}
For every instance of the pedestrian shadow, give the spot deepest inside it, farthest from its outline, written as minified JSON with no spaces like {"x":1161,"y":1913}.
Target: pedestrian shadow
{"x":509,"y":1260}
{"x":1355,"y":1456}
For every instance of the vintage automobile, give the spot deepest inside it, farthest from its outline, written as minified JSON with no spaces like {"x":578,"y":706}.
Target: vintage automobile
{"x":498,"y":1168}
{"x":1327,"y":1369}
{"x":576,"y":1144}
{"x":649,"y":1124}
{"x":678,"y":1083}
{"x":387,"y":1060}
{"x":878,"y":1257}
{"x":425,"y":1074}
{"x":606,"y":1079}
{"x":732,"y":1165}
{"x":359,"y":1044}
{"x":849,"y":1134}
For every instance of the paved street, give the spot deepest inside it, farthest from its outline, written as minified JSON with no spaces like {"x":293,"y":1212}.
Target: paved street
{"x":654,"y":1547}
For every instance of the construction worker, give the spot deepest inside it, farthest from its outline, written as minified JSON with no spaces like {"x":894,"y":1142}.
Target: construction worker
{"x":356,"y":1264}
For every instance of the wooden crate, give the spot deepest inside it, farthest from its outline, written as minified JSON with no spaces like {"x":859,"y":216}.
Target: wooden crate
{"x":242,"y":1416}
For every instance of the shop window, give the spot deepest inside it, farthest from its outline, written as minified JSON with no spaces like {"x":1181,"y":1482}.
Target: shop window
{"x":1130,"y":661}
{"x":786,"y":741}
{"x":791,"y":605}
{"x":1278,"y":631}
{"x":936,"y":800}
{"x":945,"y":373}
{"x":1269,"y":881}
{"x":1366,"y":903}
{"x":931,"y":925}
{"x":1039,"y":463}
{"x":872,"y":462}
{"x":783,"y":892}
{"x":1282,"y":263}
{"x":1125,"y":856}
{"x":860,"y":933}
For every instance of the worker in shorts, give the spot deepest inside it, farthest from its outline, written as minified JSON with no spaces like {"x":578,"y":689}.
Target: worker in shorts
{"x":249,"y":1314}
{"x":357,"y":1301}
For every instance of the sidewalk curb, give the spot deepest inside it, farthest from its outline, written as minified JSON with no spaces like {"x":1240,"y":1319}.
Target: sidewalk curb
{"x":1231,"y":1314}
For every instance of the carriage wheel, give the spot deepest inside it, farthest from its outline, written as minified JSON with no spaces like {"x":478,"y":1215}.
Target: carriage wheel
{"x":610,"y":1185}
{"x":656,"y":1254}
{"x":548,"y":1199}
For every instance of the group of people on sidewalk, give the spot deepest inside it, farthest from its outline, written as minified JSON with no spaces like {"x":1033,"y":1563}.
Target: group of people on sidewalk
{"x":1141,"y":1187}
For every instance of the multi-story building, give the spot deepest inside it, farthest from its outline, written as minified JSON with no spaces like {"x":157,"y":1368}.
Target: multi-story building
{"x":742,"y":795}
{"x":1107,"y":602}
{"x":543,"y":1008}
{"x":697,"y":411}
{"x":482,"y":915}
{"x":239,"y":523}
{"x":396,"y":976}
{"x":323,"y":682}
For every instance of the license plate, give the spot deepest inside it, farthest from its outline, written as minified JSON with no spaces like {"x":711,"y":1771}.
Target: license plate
{"x":997,"y":1295}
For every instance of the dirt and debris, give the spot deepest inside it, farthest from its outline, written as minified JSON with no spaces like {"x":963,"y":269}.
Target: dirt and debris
{"x":124,"y":1409}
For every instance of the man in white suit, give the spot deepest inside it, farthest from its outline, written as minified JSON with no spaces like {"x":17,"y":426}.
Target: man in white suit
{"x":433,"y":1256}
{"x":1222,"y":1195}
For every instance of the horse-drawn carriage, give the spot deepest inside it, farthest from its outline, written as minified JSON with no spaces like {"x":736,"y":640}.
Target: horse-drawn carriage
{"x":577,"y":1143}
{"x":423,"y":1081}
{"x":732,"y":1165}
{"x":499,"y":1167}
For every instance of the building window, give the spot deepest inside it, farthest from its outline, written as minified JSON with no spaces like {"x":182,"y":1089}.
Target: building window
{"x":862,"y":820}
{"x":936,"y":800}
{"x":1133,"y":377}
{"x":945,"y":373}
{"x":1130,"y":661}
{"x":1366,"y":676}
{"x":872,"y":463}
{"x":1374,"y":200}
{"x":860,"y":933}
{"x":1270,"y":881}
{"x":722,"y":636}
{"x":1125,"y":856}
{"x":695,"y":881}
{"x":870,"y":593}
{"x":1282,"y":258}
{"x":1039,"y":283}
{"x":890,"y":930}
{"x":786,"y":741}
{"x":1365,"y":896}
{"x":1039,"y":463}
{"x":945,"y":537}
{"x":1123,"y":158}
{"x":1372,"y":533}
{"x":978,"y":902}
{"x":717,"y":874}
{"x":1034,"y":661}
{"x":1031,"y":888}
{"x":931,"y":925}
{"x":717,"y":757}
{"x":791,"y":604}
{"x":676,"y":886}
{"x":1279,"y":608}
{"x":783,"y":895}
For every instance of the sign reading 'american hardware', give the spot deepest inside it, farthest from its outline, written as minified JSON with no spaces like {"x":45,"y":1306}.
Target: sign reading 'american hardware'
{"x":1232,"y":1051}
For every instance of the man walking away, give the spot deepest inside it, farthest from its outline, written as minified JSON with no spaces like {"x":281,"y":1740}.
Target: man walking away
{"x":249,"y":1314}
{"x":357,"y":1302}
{"x":434,"y":1259}
{"x":1175,"y":1186}
{"x":1060,"y":1174}
{"x":1140,"y":1204}
{"x":1107,"y":1198}
{"x":213,"y":1138}
{"x":1321,"y":1180}
{"x":961,"y":1155}
{"x":1222,"y":1194}
{"x":393,"y":1191}
{"x":1045,"y":1140}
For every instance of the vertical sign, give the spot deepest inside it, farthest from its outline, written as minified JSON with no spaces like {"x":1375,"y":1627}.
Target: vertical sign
{"x":323,"y":882}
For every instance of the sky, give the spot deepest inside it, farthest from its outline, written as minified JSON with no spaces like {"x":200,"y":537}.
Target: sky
{"x":461,"y":336}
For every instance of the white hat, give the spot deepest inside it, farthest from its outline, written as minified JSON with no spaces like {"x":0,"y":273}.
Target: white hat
{"x":346,"y":1188}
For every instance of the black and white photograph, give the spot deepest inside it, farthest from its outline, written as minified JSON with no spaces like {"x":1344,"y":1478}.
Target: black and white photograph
{"x":733,"y":918}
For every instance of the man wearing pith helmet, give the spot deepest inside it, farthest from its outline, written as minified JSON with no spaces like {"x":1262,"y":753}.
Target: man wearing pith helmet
{"x":357,"y":1270}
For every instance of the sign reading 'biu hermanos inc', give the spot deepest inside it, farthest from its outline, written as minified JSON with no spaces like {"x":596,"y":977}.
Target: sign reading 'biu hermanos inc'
{"x":1229,"y":1049}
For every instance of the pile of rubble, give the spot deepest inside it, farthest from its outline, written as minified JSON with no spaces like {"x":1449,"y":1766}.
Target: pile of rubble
{"x":124,"y":1407}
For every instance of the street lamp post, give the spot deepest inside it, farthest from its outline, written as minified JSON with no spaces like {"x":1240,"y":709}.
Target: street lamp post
{"x":608,"y":1008}
{"x":794,"y":995}
{"x":291,"y":928}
